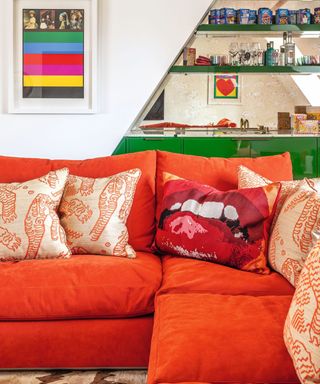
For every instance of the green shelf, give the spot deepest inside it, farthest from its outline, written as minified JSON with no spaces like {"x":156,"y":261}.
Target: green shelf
{"x":301,"y":28}
{"x":246,"y":69}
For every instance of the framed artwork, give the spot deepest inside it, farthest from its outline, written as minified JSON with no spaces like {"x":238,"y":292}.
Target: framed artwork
{"x":224,"y":89}
{"x":53,"y":61}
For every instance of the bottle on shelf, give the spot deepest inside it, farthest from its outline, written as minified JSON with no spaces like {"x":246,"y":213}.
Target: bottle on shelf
{"x":290,"y":50}
{"x":269,"y":54}
{"x":282,"y":56}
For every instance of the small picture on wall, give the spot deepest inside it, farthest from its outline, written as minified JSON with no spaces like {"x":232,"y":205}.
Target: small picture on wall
{"x":224,"y":89}
{"x":226,"y":86}
{"x":76,"y":20}
{"x":31,"y":19}
{"x":47,"y":19}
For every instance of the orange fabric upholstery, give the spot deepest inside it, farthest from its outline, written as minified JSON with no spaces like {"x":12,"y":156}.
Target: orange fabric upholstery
{"x":141,"y":222}
{"x":220,"y":339}
{"x":213,"y":323}
{"x":83,"y":287}
{"x":76,"y":343}
{"x":218,"y":172}
{"x":189,"y":275}
{"x":19,"y":169}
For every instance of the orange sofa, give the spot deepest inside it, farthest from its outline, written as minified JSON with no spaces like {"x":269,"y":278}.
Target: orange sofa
{"x":212,"y":324}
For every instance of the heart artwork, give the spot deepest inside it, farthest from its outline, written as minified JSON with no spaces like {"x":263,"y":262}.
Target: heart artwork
{"x":225,"y":86}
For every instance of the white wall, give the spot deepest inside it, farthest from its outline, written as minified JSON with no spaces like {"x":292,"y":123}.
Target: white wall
{"x":138,"y":41}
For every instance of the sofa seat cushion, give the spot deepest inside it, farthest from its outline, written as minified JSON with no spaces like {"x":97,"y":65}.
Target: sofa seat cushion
{"x":82,"y":287}
{"x":220,"y":339}
{"x":189,"y":275}
{"x":141,"y":221}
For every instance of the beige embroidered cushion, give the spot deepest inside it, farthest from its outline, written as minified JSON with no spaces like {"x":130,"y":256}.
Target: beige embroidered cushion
{"x":295,"y":232}
{"x":250,"y":179}
{"x":29,"y":224}
{"x":302,"y":327}
{"x":94,"y":213}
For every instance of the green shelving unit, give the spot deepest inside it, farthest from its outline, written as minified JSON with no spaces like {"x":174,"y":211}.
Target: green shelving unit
{"x":303,"y":69}
{"x":254,"y":28}
{"x":311,"y":29}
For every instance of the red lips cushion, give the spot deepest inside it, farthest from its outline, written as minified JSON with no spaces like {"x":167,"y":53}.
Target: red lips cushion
{"x":229,"y":228}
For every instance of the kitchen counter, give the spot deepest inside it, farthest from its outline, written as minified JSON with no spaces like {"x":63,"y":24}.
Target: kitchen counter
{"x":209,"y":135}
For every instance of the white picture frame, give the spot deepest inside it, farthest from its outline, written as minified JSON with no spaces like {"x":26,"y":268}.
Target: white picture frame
{"x":212,"y":100}
{"x":87,"y":103}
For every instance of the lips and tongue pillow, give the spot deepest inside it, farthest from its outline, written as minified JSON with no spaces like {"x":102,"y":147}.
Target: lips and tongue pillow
{"x":229,"y":228}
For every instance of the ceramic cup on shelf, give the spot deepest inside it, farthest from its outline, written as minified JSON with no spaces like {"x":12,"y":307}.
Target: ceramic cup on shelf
{"x":219,"y":60}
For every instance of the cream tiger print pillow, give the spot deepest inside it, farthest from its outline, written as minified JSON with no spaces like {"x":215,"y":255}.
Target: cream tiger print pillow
{"x":250,"y":179}
{"x":29,"y":224}
{"x":295,"y":232}
{"x":302,"y":327}
{"x":94,"y":213}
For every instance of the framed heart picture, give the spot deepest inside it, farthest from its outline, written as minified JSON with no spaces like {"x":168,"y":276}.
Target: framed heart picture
{"x":224,"y":89}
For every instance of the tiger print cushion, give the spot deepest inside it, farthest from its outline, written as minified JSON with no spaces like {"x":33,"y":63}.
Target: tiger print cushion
{"x":302,"y":327}
{"x":295,"y":232}
{"x":29,"y":224}
{"x":94,"y":213}
{"x":250,"y":179}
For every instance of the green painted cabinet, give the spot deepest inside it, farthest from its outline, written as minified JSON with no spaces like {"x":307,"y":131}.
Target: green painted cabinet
{"x":318,"y":161}
{"x":216,"y":147}
{"x":303,"y":151}
{"x":121,"y":148}
{"x":170,"y":144}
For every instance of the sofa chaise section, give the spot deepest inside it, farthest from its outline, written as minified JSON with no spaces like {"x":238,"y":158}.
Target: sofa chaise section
{"x":211,"y":338}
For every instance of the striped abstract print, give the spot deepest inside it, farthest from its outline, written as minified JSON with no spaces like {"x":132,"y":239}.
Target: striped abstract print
{"x":53,"y":54}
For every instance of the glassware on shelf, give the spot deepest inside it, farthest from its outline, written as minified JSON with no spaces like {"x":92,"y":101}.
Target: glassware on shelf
{"x":234,"y":54}
{"x":261,"y":57}
{"x":275,"y":57}
{"x":255,"y":49}
{"x":308,"y":60}
{"x":282,"y":56}
{"x":245,"y":54}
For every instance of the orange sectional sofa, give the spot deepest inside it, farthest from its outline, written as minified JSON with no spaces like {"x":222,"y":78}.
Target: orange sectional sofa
{"x":204,"y":322}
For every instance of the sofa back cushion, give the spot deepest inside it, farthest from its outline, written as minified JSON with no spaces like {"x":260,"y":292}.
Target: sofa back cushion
{"x":219,"y":172}
{"x":140,"y":223}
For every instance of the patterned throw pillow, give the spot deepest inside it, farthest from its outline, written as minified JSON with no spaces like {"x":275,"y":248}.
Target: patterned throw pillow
{"x":250,"y":179}
{"x":302,"y":327}
{"x":94,"y":213}
{"x":29,"y":224}
{"x":295,"y":232}
{"x":228,"y":228}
